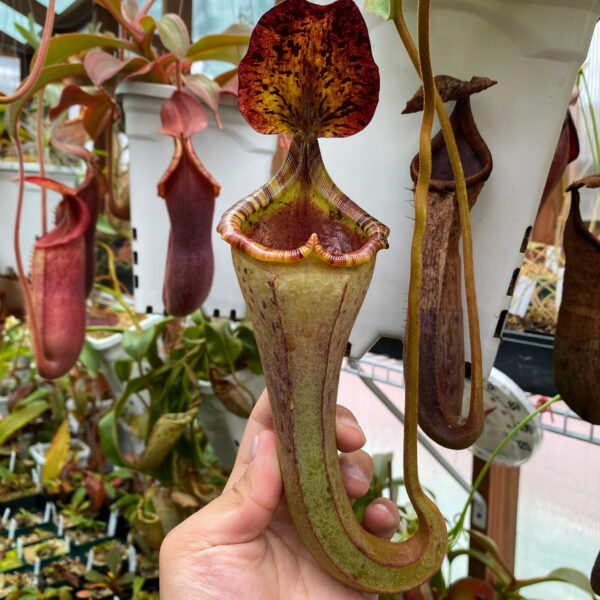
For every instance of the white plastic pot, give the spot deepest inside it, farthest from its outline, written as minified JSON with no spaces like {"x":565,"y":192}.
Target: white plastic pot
{"x":223,"y":429}
{"x":31,"y":219}
{"x":238,"y":157}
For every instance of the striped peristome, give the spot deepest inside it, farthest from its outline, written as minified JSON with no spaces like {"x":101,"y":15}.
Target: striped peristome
{"x":304,"y":157}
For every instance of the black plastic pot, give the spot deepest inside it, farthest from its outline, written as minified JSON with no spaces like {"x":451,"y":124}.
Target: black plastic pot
{"x":527,"y":359}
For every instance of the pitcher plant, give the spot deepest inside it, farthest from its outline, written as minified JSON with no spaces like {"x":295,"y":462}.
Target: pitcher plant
{"x":577,"y":339}
{"x":304,"y":255}
{"x":441,"y":345}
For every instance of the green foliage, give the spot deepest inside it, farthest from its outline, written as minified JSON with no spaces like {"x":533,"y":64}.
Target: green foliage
{"x":172,"y":386}
{"x":382,"y":8}
{"x":29,"y":33}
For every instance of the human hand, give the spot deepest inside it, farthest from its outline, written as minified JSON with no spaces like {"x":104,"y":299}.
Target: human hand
{"x":243,"y":545}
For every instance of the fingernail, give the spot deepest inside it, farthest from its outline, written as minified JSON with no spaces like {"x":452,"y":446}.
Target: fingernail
{"x":383,"y":510}
{"x":254,"y":447}
{"x":355,"y":473}
{"x":350,"y":421}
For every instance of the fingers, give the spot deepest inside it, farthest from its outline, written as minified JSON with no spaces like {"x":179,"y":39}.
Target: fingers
{"x":349,"y":434}
{"x":241,"y":513}
{"x":260,"y":419}
{"x":357,"y":470}
{"x":382,"y":518}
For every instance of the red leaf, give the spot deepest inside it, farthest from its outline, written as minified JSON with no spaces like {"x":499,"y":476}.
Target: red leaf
{"x":101,"y":66}
{"x":182,"y":115}
{"x":98,"y":108}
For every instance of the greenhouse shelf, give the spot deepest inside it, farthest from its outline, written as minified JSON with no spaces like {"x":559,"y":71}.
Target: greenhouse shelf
{"x":382,"y":369}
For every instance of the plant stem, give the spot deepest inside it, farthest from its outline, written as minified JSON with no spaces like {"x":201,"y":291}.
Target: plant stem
{"x":36,"y":64}
{"x":416,"y":271}
{"x":463,"y":207}
{"x":42,"y":52}
{"x":178,"y":74}
{"x":595,"y":140}
{"x":40,"y":153}
{"x":144,"y":10}
{"x":580,"y":77}
{"x":241,"y":385}
{"x":116,"y":288}
{"x":455,"y":531}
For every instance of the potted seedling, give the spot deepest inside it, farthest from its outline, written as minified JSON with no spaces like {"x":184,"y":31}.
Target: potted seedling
{"x":67,"y":568}
{"x":44,"y":551}
{"x":14,"y":583}
{"x":112,"y":583}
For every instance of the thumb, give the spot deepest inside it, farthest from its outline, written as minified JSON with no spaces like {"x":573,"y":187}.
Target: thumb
{"x":242,"y":512}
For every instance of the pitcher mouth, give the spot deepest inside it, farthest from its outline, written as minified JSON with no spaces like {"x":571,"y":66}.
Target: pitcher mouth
{"x":299,"y":212}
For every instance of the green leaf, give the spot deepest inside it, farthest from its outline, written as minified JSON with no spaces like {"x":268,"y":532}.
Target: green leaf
{"x":107,"y":428}
{"x":113,"y":560}
{"x":120,"y":474}
{"x":223,"y":348}
{"x":103,"y":226}
{"x":382,"y":8}
{"x":574,"y":577}
{"x":126,"y":579}
{"x":138,"y":584}
{"x":90,"y":358}
{"x":78,"y":496}
{"x":245,"y":333}
{"x":482,"y":557}
{"x":199,"y":317}
{"x":486,"y":543}
{"x":16,"y":420}
{"x":95,"y":576}
{"x":47,"y":75}
{"x":41,"y":393}
{"x":229,"y":46}
{"x":68,"y":44}
{"x":174,"y":35}
{"x":125,"y":500}
{"x":123,"y":368}
{"x":136,"y":343}
{"x":29,"y":34}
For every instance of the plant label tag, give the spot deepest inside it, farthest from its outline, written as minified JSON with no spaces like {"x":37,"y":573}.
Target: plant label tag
{"x":112,"y":523}
{"x":11,"y":529}
{"x":132,"y":558}
{"x":90,"y":560}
